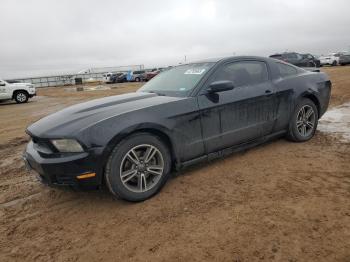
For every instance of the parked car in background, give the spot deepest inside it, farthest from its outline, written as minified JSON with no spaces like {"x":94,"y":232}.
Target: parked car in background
{"x":118,"y":78}
{"x":311,"y":60}
{"x":20,"y":92}
{"x":107,"y":77}
{"x":190,"y":113}
{"x":330,"y":59}
{"x":344,"y":59}
{"x":150,"y":74}
{"x":301,"y":60}
{"x":136,"y":76}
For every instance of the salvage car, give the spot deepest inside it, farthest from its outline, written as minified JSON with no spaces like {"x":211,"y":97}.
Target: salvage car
{"x":311,"y":60}
{"x":106,"y":77}
{"x":154,"y":72}
{"x":20,"y":92}
{"x":330,"y":59}
{"x":344,"y":59}
{"x":136,"y":76}
{"x":118,"y":77}
{"x":301,"y":60}
{"x":190,"y":113}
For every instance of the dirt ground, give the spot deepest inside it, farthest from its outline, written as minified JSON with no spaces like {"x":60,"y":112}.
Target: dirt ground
{"x":281,"y":201}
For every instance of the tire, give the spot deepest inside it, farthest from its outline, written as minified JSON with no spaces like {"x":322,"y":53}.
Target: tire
{"x":21,"y":97}
{"x":137,"y":79}
{"x":334,"y":63}
{"x":303,"y":127}
{"x":144,"y":183}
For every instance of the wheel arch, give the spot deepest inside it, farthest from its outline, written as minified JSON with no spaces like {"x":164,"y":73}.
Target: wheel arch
{"x":152,"y":129}
{"x":18,"y":90}
{"x":314,"y":99}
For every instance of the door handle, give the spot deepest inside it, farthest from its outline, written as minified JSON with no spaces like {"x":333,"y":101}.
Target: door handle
{"x":268,"y":92}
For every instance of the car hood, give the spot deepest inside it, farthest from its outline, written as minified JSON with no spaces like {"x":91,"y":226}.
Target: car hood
{"x":22,"y":84}
{"x":67,"y":122}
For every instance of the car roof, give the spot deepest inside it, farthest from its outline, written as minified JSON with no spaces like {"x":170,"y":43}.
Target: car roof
{"x":229,"y":58}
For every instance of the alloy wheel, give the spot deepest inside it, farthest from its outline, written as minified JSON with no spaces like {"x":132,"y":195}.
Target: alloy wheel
{"x":306,"y":120}
{"x":141,"y":168}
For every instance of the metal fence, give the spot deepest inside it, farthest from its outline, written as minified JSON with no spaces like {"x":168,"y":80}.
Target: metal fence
{"x":61,"y":80}
{"x":93,"y":74}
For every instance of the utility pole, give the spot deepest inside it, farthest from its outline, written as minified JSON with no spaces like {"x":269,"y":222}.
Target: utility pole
{"x":185,"y":58}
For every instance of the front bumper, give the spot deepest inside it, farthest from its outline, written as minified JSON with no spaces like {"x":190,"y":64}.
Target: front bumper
{"x":63,"y":170}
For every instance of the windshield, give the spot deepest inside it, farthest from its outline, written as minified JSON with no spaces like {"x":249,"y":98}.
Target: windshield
{"x":178,"y":81}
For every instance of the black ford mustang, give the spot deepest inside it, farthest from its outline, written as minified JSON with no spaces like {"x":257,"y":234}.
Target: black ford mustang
{"x":193,"y":112}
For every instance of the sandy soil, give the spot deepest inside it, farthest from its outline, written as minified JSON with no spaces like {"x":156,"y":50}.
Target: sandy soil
{"x":281,"y":201}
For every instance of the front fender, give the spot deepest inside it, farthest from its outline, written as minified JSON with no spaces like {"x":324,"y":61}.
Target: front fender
{"x":142,"y":127}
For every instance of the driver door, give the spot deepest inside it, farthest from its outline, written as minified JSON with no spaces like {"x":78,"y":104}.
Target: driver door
{"x":242,"y":114}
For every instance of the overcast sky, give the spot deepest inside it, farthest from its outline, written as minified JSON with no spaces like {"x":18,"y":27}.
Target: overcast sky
{"x":40,"y":37}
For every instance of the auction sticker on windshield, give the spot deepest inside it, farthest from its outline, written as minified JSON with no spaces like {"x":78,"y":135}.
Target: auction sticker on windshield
{"x":195,"y":71}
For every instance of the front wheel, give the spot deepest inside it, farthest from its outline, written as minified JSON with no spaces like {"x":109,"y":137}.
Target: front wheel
{"x":21,"y":97}
{"x":138,"y":167}
{"x":304,"y":121}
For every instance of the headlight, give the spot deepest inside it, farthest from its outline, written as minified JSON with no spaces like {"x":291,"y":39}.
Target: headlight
{"x":67,"y":145}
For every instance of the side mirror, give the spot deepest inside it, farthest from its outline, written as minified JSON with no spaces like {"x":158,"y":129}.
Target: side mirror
{"x":220,"y":86}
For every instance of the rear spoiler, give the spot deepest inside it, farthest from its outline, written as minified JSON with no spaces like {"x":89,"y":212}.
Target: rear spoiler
{"x":312,"y":69}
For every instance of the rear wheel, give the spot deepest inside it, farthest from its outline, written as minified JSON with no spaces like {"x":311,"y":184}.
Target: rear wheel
{"x":137,"y":79}
{"x":304,"y":121}
{"x":138,"y":167}
{"x":21,"y":97}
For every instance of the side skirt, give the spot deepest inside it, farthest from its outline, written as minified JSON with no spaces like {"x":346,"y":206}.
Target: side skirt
{"x":230,"y":150}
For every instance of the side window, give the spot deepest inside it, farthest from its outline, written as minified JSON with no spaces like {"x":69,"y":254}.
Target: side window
{"x":243,"y":73}
{"x":291,"y":56}
{"x":286,"y":70}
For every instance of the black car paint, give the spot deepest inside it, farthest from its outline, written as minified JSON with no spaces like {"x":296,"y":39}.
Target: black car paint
{"x":198,"y":127}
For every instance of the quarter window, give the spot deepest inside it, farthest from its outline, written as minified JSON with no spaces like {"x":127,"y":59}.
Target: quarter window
{"x":243,"y":73}
{"x":286,"y":70}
